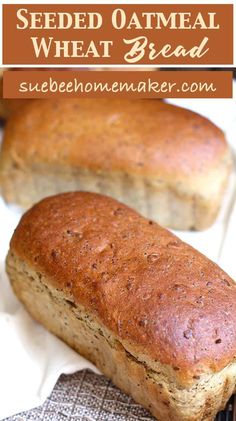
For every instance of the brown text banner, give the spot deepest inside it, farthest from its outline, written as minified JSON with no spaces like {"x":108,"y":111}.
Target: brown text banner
{"x":123,"y":84}
{"x":82,"y":34}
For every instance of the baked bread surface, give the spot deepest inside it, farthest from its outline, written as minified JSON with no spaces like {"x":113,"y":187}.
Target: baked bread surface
{"x":168,"y":163}
{"x":152,"y":313}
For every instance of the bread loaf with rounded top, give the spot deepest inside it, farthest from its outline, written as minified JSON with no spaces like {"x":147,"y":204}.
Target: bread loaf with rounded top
{"x":152,"y":313}
{"x":168,"y":163}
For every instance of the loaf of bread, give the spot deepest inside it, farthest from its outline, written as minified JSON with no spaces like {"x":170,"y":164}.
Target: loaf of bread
{"x":153,"y":314}
{"x":168,"y":163}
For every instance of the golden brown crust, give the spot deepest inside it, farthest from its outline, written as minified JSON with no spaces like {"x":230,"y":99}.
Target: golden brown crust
{"x":151,"y":384}
{"x":168,"y":163}
{"x":146,"y":137}
{"x":163,"y":298}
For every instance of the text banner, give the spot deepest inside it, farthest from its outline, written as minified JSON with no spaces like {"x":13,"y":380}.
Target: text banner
{"x":133,"y":84}
{"x":117,"y":34}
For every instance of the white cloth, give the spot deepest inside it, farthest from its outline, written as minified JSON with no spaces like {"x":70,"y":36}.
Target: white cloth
{"x":31,"y":359}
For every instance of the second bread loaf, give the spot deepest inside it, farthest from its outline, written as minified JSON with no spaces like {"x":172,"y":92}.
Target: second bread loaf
{"x":170,"y":164}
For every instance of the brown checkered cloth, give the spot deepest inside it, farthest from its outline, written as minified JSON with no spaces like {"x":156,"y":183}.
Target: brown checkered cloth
{"x":85,"y":396}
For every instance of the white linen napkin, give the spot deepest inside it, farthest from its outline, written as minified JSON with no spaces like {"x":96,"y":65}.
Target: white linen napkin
{"x":228,"y":254}
{"x":32,"y":359}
